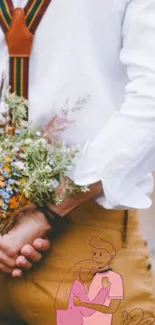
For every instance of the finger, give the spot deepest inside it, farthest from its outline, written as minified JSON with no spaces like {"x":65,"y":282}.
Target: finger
{"x":6,"y":260}
{"x":17,"y":273}
{"x":23,"y":263}
{"x":42,"y":245}
{"x":31,"y":254}
{"x":5,"y":269}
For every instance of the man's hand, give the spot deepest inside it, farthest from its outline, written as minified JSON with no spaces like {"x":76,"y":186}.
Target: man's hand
{"x":105,"y":282}
{"x":77,"y":301}
{"x":18,"y":248}
{"x":70,"y":203}
{"x":30,"y":255}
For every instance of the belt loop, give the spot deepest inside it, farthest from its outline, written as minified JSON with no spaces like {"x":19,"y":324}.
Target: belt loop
{"x":125,"y":228}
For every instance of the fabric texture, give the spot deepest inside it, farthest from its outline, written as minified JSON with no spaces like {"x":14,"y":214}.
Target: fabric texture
{"x":92,"y":237}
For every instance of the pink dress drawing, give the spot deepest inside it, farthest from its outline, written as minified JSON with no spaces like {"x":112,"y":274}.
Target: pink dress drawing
{"x":74,"y":314}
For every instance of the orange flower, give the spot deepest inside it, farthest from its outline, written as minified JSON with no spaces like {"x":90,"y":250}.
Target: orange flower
{"x":24,"y":201}
{"x":8,"y":214}
{"x":2,"y":184}
{"x":13,"y":203}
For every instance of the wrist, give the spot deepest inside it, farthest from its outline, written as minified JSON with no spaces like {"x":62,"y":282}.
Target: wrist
{"x":31,"y":219}
{"x":41,"y":220}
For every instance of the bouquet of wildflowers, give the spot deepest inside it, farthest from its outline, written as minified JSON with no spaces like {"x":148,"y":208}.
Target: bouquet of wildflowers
{"x":32,"y":162}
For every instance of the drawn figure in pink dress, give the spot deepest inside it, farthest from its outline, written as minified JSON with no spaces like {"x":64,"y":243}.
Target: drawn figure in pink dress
{"x":80,"y":278}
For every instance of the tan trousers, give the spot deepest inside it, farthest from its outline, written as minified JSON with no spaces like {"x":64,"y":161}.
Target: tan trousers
{"x":83,"y":254}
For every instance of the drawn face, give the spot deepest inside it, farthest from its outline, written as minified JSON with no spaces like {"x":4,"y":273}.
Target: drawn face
{"x":101,"y":257}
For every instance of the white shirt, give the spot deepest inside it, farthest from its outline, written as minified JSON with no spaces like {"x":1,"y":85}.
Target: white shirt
{"x":105,"y":50}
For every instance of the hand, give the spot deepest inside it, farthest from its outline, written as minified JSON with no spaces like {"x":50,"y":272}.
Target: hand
{"x":30,"y":225}
{"x":105,"y":282}
{"x":77,"y":301}
{"x":30,"y":255}
{"x":70,"y":203}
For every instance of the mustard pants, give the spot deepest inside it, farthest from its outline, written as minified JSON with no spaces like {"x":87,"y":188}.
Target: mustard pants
{"x":92,"y":247}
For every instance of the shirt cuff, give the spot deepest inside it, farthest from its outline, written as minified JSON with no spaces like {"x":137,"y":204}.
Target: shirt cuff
{"x":138,"y":198}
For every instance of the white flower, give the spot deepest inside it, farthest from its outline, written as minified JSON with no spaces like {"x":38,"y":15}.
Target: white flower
{"x":51,"y":162}
{"x":38,"y":133}
{"x":28,"y":141}
{"x":19,"y":165}
{"x":48,"y":169}
{"x":42,"y":142}
{"x":16,"y":148}
{"x":54,"y":183}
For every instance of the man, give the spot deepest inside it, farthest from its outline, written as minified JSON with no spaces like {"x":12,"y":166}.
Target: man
{"x":103,"y":253}
{"x":104,"y":51}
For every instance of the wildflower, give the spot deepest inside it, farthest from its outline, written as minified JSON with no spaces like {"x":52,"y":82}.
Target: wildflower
{"x":4,"y":207}
{"x":13,"y":203}
{"x":8,"y":159}
{"x":7,"y":169}
{"x":22,"y":181}
{"x":10,"y":182}
{"x":14,"y":159}
{"x":5,"y":173}
{"x":6,"y":195}
{"x":24,"y":201}
{"x":19,"y":165}
{"x":28,"y":141}
{"x":47,"y":169}
{"x":2,"y":184}
{"x":51,"y":162}
{"x":2,"y":192}
{"x":6,"y":201}
{"x":17,"y":132}
{"x":54,"y":183}
{"x":16,"y":190}
{"x":38,"y":134}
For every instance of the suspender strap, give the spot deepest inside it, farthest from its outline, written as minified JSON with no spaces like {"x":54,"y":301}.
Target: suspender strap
{"x":19,"y":26}
{"x":34,"y":12}
{"x":6,"y":10}
{"x":19,"y":68}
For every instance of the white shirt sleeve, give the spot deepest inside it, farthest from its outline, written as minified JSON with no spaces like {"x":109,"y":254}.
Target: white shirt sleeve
{"x":123,"y":154}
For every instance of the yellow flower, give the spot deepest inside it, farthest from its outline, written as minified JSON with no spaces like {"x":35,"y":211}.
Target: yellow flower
{"x":8,"y":159}
{"x":7,"y":169}
{"x":23,"y":181}
{"x":1,"y":203}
